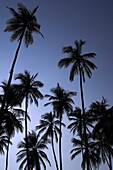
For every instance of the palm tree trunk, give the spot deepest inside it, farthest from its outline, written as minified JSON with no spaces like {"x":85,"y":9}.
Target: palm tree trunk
{"x":60,"y":144}
{"x":53,"y":149}
{"x":7,"y":156}
{"x":84,"y":123}
{"x":27,"y":153}
{"x":10,"y":78}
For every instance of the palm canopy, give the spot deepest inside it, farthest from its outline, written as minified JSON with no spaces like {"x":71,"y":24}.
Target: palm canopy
{"x":49,"y":126}
{"x":37,"y":156}
{"x":22,"y":24}
{"x":80,"y":63}
{"x":29,"y":86}
{"x":103,"y":129}
{"x":61,"y":100}
{"x":79,"y":146}
{"x":13,"y":98}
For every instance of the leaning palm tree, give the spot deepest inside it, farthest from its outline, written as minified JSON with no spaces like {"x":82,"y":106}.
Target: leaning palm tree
{"x":22,"y":25}
{"x":80,"y":65}
{"x":62,"y":102}
{"x":37,"y":156}
{"x":49,"y":128}
{"x":28,"y":89}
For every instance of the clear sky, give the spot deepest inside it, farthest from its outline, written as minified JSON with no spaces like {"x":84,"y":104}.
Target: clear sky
{"x":62,"y":22}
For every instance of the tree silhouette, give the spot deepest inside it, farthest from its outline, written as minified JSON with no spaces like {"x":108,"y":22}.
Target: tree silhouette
{"x":80,"y":64}
{"x":49,"y":127}
{"x":62,"y":101}
{"x":28,"y":88}
{"x":36,"y":152}
{"x":22,"y":25}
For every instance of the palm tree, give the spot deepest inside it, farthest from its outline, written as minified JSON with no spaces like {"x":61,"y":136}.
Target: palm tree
{"x":62,"y":101}
{"x":80,"y":65}
{"x":49,"y":127}
{"x":11,"y":124}
{"x":102,"y":132}
{"x":76,"y":126}
{"x":11,"y":120}
{"x":28,"y":88}
{"x":79,"y":146}
{"x":22,"y":25}
{"x":36,"y":153}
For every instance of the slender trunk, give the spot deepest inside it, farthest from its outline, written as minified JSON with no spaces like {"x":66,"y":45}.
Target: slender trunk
{"x":27,"y":153}
{"x":10,"y":79}
{"x":60,"y":144}
{"x":84,"y":123}
{"x":53,"y":149}
{"x":7,"y":156}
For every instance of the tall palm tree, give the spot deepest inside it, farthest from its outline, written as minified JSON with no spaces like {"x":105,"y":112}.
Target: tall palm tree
{"x":80,"y":65}
{"x":22,"y":25}
{"x":11,"y":120}
{"x":62,"y":101}
{"x":36,"y":152}
{"x":28,"y":88}
{"x":49,"y":127}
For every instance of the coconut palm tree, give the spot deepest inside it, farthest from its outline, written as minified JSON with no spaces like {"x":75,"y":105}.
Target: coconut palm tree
{"x":49,"y":127}
{"x":79,"y":147}
{"x":11,"y":124}
{"x":37,"y":156}
{"x":102,"y":132}
{"x":28,"y":88}
{"x":80,"y":64}
{"x":62,"y":102}
{"x":12,"y":119}
{"x":22,"y":25}
{"x":76,"y":126}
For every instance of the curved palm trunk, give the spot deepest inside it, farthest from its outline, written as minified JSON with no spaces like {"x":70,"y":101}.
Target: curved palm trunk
{"x":60,"y":144}
{"x":53,"y":149}
{"x":27,"y":153}
{"x":84,"y":123}
{"x":7,"y":156}
{"x":10,"y":78}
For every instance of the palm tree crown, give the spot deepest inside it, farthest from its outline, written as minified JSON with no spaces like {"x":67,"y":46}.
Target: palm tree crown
{"x":61,"y":100}
{"x":79,"y":61}
{"x":37,"y":156}
{"x":23,"y":24}
{"x":29,"y":86}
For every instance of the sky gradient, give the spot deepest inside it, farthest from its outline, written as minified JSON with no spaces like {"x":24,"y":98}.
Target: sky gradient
{"x":62,"y":22}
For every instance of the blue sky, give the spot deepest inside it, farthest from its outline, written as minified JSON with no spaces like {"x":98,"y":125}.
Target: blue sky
{"x":62,"y":22}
